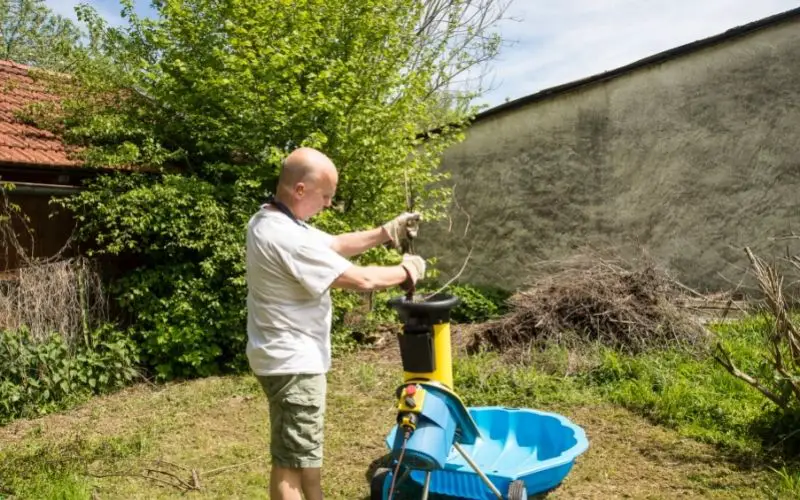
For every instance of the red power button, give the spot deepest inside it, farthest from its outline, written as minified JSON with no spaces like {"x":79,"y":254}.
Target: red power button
{"x":411,"y":390}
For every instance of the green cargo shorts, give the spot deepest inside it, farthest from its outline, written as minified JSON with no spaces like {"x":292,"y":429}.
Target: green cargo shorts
{"x":296,"y":411}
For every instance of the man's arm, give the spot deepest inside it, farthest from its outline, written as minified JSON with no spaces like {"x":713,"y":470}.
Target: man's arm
{"x":370,"y":278}
{"x":350,"y":244}
{"x":397,"y":229}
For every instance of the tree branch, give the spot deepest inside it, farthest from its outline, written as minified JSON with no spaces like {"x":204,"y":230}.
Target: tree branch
{"x":725,"y":360}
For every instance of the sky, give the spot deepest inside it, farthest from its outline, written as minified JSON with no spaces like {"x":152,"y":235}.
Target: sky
{"x":550,"y":42}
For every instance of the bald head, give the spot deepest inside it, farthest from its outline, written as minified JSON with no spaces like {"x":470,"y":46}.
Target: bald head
{"x":307,"y":182}
{"x":304,"y":165}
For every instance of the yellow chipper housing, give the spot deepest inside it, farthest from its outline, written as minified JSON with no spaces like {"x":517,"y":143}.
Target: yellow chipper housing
{"x":425,"y":345}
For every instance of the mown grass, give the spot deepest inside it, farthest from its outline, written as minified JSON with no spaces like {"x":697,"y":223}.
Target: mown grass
{"x":664,"y":422}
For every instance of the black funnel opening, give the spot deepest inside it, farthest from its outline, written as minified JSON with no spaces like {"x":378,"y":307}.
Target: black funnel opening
{"x":432,"y":311}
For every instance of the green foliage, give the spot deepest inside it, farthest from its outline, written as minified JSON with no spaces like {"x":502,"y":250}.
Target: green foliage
{"x":209,"y":98}
{"x":478,"y":303}
{"x":786,"y":484}
{"x":187,"y":295}
{"x":673,"y":389}
{"x":31,"y":34}
{"x":40,"y":377}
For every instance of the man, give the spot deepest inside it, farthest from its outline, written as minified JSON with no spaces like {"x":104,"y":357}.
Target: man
{"x":291,"y":267}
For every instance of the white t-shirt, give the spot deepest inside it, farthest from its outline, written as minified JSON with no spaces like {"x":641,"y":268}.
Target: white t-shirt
{"x":290,"y":267}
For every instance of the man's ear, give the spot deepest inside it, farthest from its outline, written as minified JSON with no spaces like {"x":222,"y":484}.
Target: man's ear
{"x":300,"y":188}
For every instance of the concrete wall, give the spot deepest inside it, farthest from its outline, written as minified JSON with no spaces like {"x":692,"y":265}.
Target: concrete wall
{"x":692,"y":158}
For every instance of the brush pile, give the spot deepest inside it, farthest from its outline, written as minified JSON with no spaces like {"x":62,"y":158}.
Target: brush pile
{"x":588,"y":299}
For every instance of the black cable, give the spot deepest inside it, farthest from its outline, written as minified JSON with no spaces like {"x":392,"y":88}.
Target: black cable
{"x":400,"y":459}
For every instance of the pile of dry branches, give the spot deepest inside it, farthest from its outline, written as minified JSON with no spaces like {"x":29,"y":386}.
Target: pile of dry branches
{"x":590,"y":299}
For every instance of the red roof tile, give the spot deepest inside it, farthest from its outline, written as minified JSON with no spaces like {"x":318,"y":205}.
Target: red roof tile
{"x":21,"y":143}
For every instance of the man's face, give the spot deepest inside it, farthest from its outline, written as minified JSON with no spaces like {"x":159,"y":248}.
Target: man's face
{"x":316,"y":193}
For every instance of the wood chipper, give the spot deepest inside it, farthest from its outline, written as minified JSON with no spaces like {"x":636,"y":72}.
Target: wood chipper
{"x":439,"y":446}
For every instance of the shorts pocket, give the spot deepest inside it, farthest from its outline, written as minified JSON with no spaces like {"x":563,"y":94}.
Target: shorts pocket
{"x":302,"y":423}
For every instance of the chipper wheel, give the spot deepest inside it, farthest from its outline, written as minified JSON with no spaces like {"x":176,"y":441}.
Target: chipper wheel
{"x":377,"y":482}
{"x":517,"y":491}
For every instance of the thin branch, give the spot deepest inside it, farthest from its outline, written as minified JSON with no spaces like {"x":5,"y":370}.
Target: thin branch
{"x":727,"y":363}
{"x":450,"y":282}
{"x":196,"y":479}
{"x":169,"y":474}
{"x":130,"y":474}
{"x":466,"y":214}
{"x":229,"y":467}
{"x":790,"y":236}
{"x":161,"y":461}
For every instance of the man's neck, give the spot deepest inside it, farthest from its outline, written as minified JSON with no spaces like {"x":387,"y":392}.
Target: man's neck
{"x":289,"y":205}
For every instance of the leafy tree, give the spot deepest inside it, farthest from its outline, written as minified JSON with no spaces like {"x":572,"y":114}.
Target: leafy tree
{"x":206,"y":99}
{"x":30,"y":33}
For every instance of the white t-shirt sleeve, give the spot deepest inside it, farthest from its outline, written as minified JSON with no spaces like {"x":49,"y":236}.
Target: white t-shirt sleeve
{"x":316,"y":265}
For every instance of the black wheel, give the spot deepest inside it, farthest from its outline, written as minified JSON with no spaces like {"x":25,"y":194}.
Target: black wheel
{"x":517,"y":491}
{"x":376,"y":484}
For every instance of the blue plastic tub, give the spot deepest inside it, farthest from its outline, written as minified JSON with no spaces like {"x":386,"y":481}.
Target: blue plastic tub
{"x":536,"y":447}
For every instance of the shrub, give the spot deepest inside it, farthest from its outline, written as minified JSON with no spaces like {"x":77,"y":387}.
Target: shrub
{"x":251,"y":82}
{"x":478,"y":303}
{"x":39,"y":377}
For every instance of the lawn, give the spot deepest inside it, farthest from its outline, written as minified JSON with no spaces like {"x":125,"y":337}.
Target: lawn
{"x":217,"y":427}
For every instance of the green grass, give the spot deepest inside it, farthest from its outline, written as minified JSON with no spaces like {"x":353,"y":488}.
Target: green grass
{"x":58,"y":470}
{"x":695,"y":396}
{"x":667,"y":421}
{"x":691,"y":393}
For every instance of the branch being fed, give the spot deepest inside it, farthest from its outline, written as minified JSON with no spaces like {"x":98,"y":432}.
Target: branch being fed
{"x":450,"y":282}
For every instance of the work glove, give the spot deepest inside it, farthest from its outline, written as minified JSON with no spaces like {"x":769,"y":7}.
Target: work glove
{"x":402,"y":228}
{"x":415,"y":266}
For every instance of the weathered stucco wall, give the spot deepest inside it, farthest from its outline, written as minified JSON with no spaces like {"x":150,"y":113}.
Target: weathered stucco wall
{"x":692,"y":159}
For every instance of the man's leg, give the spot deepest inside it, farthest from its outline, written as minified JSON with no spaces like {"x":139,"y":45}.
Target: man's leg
{"x":297,"y":407}
{"x":285,"y":483}
{"x":312,"y":483}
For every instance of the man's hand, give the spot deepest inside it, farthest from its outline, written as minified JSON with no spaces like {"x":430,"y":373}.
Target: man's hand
{"x":401,"y":228}
{"x":415,"y":265}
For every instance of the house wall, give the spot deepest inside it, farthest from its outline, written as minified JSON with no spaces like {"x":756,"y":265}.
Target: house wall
{"x":692,"y":159}
{"x":47,"y":228}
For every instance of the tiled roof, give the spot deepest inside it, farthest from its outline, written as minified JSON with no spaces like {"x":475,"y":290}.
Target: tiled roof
{"x":21,"y":143}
